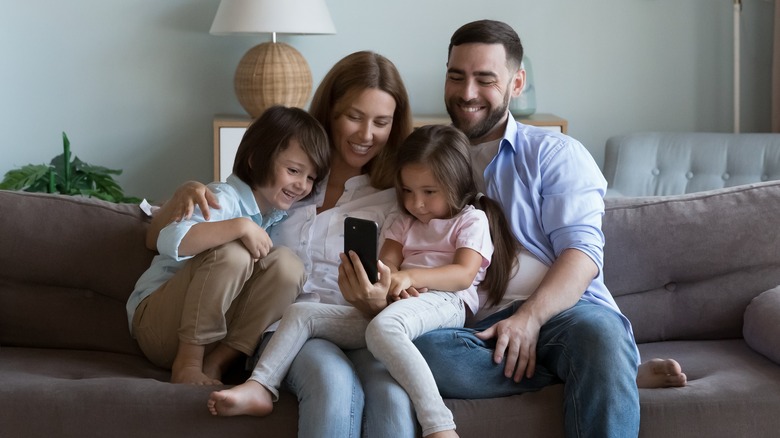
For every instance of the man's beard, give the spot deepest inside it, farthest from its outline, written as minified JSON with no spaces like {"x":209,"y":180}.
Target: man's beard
{"x":480,"y":129}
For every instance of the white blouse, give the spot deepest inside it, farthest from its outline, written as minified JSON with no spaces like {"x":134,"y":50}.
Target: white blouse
{"x":318,"y":239}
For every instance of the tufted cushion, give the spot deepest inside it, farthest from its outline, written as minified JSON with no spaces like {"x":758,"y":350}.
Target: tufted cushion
{"x":671,"y":163}
{"x":762,"y":325}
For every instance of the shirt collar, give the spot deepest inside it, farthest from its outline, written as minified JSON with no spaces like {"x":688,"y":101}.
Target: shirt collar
{"x":249,"y":207}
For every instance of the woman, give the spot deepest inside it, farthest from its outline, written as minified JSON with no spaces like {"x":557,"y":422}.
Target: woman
{"x":363,"y":105}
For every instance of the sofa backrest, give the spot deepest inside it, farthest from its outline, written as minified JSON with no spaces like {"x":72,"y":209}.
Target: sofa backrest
{"x":686,"y":266}
{"x":672,"y":163}
{"x":67,"y":266}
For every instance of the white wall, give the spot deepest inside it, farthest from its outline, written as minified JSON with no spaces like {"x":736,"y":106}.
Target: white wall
{"x":136,"y":83}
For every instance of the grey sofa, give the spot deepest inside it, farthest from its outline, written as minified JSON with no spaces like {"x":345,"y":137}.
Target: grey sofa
{"x":690,"y":271}
{"x":671,"y":163}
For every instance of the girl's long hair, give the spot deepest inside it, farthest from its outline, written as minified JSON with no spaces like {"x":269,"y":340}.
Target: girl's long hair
{"x":444,"y":150}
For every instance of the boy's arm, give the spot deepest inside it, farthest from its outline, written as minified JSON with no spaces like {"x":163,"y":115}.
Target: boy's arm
{"x":453,"y":277}
{"x":206,"y":235}
{"x":180,"y":207}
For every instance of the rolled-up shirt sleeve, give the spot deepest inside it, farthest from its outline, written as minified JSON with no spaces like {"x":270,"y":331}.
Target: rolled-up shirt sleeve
{"x":573,"y":204}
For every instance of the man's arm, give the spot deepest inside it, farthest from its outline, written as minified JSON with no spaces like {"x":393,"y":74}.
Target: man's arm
{"x":561,"y":288}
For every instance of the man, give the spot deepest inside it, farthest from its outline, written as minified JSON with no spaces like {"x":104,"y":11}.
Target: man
{"x":565,"y":325}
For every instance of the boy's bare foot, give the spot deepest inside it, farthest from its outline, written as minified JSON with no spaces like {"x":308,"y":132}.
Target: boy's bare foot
{"x":660,"y":373}
{"x":248,"y":398}
{"x":443,"y":434}
{"x":218,"y":361}
{"x":188,"y":366}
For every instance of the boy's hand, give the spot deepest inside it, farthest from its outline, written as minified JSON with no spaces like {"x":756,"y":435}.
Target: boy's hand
{"x":255,"y":238}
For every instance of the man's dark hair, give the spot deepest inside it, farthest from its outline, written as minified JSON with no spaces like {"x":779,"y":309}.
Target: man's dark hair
{"x":490,"y":32}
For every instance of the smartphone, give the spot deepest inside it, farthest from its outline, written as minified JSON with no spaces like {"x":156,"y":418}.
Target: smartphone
{"x":361,"y":235}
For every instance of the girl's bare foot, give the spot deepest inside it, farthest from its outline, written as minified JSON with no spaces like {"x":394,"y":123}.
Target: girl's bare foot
{"x":660,"y":373}
{"x":248,"y":398}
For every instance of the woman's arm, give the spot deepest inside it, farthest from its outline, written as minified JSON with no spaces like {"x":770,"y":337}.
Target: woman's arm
{"x":180,"y":207}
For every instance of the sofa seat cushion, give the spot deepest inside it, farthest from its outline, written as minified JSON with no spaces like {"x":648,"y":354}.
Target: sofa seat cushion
{"x":117,"y":395}
{"x":762,"y":325}
{"x":732,"y":391}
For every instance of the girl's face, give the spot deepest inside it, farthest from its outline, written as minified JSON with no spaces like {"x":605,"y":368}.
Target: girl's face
{"x":293,"y":179}
{"x":423,"y":195}
{"x":361,"y":130}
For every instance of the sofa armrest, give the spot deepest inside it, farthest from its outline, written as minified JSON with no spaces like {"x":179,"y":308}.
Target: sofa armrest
{"x":761,"y":328}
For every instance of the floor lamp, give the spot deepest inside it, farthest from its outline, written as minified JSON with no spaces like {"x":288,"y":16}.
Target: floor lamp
{"x":272,"y":73}
{"x":737,"y":13}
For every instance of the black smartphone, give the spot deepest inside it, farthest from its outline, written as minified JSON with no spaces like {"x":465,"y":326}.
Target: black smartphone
{"x":361,"y":235}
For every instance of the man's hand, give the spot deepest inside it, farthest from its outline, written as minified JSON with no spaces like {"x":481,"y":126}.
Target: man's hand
{"x":516,"y":339}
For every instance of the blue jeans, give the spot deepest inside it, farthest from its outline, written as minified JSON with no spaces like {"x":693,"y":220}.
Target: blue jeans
{"x":585,"y":347}
{"x":339,"y":393}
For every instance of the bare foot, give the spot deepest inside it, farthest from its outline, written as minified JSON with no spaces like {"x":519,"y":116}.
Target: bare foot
{"x":443,"y":434}
{"x":248,"y":398}
{"x":188,"y":366}
{"x":192,"y":376}
{"x":218,"y":360}
{"x":660,"y":373}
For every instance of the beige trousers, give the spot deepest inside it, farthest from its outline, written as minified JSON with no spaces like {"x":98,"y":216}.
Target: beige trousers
{"x":220,"y":295}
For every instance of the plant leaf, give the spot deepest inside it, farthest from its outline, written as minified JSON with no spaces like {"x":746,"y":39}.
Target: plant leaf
{"x":31,"y":178}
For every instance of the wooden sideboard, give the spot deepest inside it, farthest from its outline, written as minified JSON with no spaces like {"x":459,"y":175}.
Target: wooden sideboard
{"x":228,"y":131}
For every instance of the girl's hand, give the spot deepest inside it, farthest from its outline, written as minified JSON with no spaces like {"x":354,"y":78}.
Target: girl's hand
{"x":357,"y":290}
{"x":400,"y":284}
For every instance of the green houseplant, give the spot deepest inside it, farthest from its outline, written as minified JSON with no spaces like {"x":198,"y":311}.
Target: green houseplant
{"x":68,"y":177}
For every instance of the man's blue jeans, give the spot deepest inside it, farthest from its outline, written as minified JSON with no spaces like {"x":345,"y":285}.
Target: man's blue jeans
{"x":585,"y":347}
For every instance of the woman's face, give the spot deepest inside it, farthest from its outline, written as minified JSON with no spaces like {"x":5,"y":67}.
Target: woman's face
{"x":361,"y":129}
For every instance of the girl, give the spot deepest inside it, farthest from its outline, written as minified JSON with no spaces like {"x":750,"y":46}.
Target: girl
{"x":217,"y":285}
{"x":441,"y":243}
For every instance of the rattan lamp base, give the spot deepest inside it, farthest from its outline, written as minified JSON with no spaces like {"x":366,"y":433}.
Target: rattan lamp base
{"x":272,"y":74}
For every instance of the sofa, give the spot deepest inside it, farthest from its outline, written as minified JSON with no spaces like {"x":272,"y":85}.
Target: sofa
{"x":671,"y":163}
{"x":697,"y":274}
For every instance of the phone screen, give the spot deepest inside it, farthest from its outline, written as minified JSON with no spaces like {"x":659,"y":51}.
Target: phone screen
{"x":361,"y":235}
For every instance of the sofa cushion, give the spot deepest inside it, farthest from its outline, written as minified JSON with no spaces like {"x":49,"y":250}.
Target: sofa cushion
{"x":67,"y":266}
{"x":762,"y":325}
{"x":687,"y":266}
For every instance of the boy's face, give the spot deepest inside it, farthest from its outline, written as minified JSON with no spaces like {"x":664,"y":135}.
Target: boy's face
{"x":478,"y":88}
{"x":293,"y":179}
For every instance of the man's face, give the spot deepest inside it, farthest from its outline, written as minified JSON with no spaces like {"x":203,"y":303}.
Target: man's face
{"x":478,"y":88}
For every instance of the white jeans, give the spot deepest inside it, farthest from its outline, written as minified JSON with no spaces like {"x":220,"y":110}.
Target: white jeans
{"x":388,"y":336}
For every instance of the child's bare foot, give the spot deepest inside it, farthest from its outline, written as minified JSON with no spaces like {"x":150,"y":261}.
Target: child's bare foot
{"x":660,"y":373}
{"x":192,"y":376}
{"x":443,"y":434}
{"x":248,"y":398}
{"x":188,"y":366}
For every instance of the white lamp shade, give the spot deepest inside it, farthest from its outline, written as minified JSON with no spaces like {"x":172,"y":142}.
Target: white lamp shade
{"x":272,"y":16}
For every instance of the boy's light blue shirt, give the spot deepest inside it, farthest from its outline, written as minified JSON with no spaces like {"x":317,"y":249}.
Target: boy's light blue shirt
{"x":552,"y":192}
{"x":236,"y":200}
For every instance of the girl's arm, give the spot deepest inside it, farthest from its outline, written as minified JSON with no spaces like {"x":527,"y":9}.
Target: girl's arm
{"x":453,"y":277}
{"x":206,"y":235}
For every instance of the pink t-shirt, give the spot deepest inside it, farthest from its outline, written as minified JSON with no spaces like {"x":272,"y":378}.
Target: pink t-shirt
{"x":434,"y":244}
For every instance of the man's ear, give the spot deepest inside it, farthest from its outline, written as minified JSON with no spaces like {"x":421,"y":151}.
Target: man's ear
{"x":518,"y":82}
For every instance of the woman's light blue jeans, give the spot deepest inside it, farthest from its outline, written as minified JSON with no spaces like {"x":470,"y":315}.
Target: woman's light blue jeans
{"x":341,"y":393}
{"x":586,"y":347}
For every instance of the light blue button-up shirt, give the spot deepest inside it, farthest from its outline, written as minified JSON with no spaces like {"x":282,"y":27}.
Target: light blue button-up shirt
{"x":236,"y":199}
{"x":552,"y":192}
